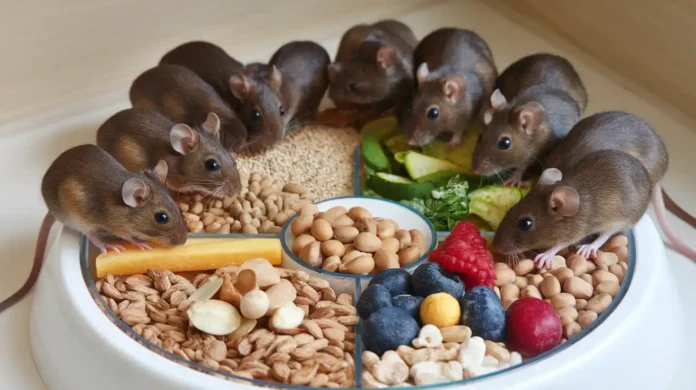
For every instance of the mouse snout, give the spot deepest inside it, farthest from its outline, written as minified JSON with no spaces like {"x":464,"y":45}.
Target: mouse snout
{"x":180,"y":238}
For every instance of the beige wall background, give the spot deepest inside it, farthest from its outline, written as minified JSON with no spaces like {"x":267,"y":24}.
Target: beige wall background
{"x":59,"y":56}
{"x":651,"y":43}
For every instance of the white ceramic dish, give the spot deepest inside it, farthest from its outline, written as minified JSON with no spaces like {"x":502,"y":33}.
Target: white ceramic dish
{"x":406,"y":217}
{"x":76,"y":346}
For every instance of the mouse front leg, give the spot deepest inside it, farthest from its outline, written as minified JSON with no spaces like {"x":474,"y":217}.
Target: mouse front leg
{"x":544,"y":259}
{"x":104,"y":246}
{"x":515,"y":180}
{"x":590,"y":250}
{"x":456,"y":140}
{"x":143,"y":245}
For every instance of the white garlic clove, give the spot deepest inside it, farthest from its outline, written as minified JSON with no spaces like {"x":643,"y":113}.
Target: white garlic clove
{"x":515,"y":358}
{"x":207,"y":290}
{"x":266,"y":274}
{"x":213,"y":316}
{"x":287,"y":316}
{"x":254,"y":304}
{"x":472,"y":352}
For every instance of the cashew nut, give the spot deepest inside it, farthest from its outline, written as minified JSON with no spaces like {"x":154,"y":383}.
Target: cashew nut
{"x":471,"y":353}
{"x":390,"y":372}
{"x":369,"y":382}
{"x":429,"y":337}
{"x":452,"y":370}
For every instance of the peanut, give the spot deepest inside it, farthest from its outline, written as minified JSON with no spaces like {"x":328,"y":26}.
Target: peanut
{"x":578,"y":288}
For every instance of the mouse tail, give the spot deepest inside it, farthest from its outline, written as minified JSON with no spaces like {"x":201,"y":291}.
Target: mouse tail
{"x":661,"y":213}
{"x":39,"y":254}
{"x":675,"y":209}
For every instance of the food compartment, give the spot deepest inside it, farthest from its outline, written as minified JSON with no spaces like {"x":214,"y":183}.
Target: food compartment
{"x":308,"y":340}
{"x":528,"y":315}
{"x":364,"y":237}
{"x":435,"y":180}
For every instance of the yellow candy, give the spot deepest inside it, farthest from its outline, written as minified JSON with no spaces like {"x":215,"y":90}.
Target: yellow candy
{"x":441,"y":310}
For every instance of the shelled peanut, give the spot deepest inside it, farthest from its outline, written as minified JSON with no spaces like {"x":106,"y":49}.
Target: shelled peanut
{"x":353,"y":241}
{"x":317,"y":351}
{"x":436,"y":357}
{"x":262,"y":206}
{"x":579,"y":289}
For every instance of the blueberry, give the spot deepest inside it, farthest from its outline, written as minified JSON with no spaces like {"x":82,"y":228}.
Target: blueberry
{"x":431,"y":278}
{"x":372,"y":299}
{"x":410,"y":304}
{"x":483,"y":312}
{"x":396,"y":280}
{"x":387,"y":329}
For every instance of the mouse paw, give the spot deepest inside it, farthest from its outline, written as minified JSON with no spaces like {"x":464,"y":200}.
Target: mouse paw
{"x":139,"y":243}
{"x":588,"y":251}
{"x":104,"y":246}
{"x":514,"y":181}
{"x":455,"y":142}
{"x":543,"y":260}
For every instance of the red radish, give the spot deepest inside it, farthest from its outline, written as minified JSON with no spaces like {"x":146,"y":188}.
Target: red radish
{"x":533,"y":326}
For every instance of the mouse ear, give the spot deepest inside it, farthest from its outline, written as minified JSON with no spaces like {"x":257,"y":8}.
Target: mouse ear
{"x":182,"y":138}
{"x":530,"y":116}
{"x":276,"y":78}
{"x":564,"y":201}
{"x":135,"y":192}
{"x":212,"y":124}
{"x":239,"y":85}
{"x":333,"y":70}
{"x":497,"y":100}
{"x":386,"y":56}
{"x":550,"y":176}
{"x":454,"y":86}
{"x":161,"y":170}
{"x":422,"y":73}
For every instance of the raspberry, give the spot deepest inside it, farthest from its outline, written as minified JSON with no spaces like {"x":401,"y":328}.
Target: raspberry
{"x":468,"y":232}
{"x":436,"y":254}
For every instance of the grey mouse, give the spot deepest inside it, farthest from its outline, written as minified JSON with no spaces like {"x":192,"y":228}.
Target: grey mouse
{"x":455,"y":75}
{"x":599,"y":181}
{"x":537,"y":101}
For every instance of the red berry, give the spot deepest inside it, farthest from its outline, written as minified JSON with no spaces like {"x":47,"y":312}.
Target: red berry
{"x":435,"y":254}
{"x":533,"y":327}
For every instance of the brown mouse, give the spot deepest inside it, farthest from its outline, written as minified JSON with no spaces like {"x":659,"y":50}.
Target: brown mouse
{"x":598,"y":182}
{"x":178,"y":93}
{"x":455,"y":75}
{"x":303,"y":66}
{"x":88,"y":190}
{"x":198,"y":163}
{"x":373,"y":68}
{"x":210,"y":62}
{"x":537,"y":101}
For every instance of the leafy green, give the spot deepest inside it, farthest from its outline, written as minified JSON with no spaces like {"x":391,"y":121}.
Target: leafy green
{"x":493,"y":202}
{"x":447,"y":205}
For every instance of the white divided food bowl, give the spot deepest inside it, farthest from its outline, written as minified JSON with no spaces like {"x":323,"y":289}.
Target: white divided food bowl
{"x":633,"y":345}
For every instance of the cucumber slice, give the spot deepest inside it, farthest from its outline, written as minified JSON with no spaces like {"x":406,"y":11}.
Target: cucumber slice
{"x":398,"y":187}
{"x":380,"y":129}
{"x":374,"y":155}
{"x":397,"y":144}
{"x":419,"y":165}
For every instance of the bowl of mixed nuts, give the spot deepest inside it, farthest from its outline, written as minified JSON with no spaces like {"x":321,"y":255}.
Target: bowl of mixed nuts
{"x":356,"y":237}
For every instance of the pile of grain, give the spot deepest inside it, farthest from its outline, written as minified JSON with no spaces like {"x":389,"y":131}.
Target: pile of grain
{"x":318,"y":158}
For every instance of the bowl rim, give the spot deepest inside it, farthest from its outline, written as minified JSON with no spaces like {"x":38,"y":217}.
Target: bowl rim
{"x":287,"y":250}
{"x":99,"y":302}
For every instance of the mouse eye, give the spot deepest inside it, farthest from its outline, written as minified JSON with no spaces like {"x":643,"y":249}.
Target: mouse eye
{"x":255,"y":115}
{"x":504,"y":143}
{"x":282,"y":111}
{"x":525,"y":224}
{"x":161,"y":217}
{"x":211,"y":165}
{"x":433,"y":113}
